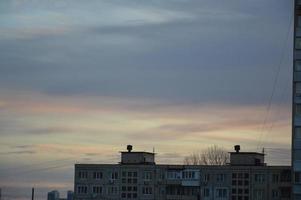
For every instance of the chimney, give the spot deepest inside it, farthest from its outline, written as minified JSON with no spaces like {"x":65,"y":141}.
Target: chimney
{"x":237,"y":148}
{"x":129,"y":148}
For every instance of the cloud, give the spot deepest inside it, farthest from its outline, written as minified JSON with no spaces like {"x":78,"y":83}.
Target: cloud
{"x":18,"y":152}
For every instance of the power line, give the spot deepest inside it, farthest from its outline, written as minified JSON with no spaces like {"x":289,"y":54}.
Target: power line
{"x":275,"y":82}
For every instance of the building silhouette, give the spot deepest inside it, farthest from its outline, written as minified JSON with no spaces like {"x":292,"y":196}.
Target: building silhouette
{"x":137,"y":176}
{"x":70,"y":195}
{"x":296,"y":116}
{"x":53,"y":195}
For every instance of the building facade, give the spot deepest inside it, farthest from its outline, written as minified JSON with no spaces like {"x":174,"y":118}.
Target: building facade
{"x":296,"y":128}
{"x":53,"y":195}
{"x":246,"y":177}
{"x":70,"y":195}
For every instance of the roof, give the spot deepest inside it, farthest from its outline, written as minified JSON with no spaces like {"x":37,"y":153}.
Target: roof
{"x":137,"y":152}
{"x":247,"y":153}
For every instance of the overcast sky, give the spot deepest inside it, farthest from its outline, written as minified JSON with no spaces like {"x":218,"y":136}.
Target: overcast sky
{"x":79,"y":80}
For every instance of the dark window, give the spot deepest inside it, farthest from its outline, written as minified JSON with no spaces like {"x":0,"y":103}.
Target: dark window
{"x":234,"y":175}
{"x":246,"y":175}
{"x":285,"y":192}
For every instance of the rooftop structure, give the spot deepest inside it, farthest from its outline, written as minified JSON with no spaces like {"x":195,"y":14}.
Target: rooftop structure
{"x":246,"y":158}
{"x":139,"y":157}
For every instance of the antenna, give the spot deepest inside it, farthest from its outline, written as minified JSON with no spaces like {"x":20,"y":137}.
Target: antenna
{"x":32,"y":194}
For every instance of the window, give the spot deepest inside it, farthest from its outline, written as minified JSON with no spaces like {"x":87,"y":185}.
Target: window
{"x":298,"y":65}
{"x":97,"y":189}
{"x":221,"y":177}
{"x":173,"y":175}
{"x":275,"y":193}
{"x":239,"y":191}
{"x":134,"y":180}
{"x":299,"y":21}
{"x":297,"y":132}
{"x":206,"y":192}
{"x":297,"y":177}
{"x":298,"y":109}
{"x":114,"y":175}
{"x":297,"y":154}
{"x":275,"y":178}
{"x":97,"y":175}
{"x":258,"y":195}
{"x":298,"y":89}
{"x":206,"y":177}
{"x":298,"y":43}
{"x":188,"y":174}
{"x":82,"y":174}
{"x":147,"y":190}
{"x":259,"y":178}
{"x":82,"y":189}
{"x":221,"y":193}
{"x":147,"y":175}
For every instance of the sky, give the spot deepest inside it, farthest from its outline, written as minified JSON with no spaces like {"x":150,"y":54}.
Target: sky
{"x":79,"y":80}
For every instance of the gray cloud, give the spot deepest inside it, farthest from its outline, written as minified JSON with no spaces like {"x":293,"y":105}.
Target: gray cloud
{"x":176,"y":59}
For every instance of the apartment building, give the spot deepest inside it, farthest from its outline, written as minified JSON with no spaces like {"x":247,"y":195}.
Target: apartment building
{"x":296,"y":102}
{"x":137,"y":176}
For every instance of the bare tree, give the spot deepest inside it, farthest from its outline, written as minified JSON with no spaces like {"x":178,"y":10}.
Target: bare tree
{"x":213,"y":155}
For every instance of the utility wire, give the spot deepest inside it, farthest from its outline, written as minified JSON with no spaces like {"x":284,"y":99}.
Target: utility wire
{"x":275,"y":82}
